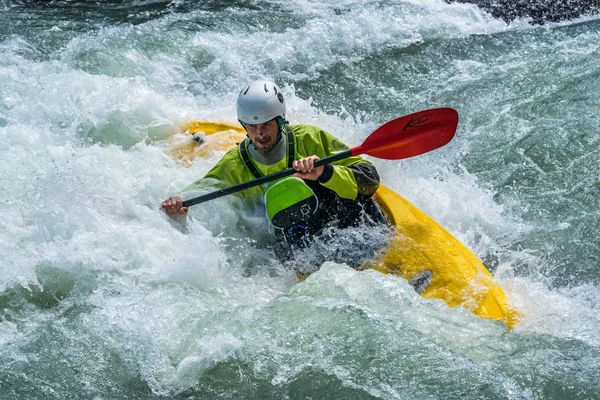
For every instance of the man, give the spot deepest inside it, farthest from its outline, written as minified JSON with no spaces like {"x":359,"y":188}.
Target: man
{"x":299,"y":207}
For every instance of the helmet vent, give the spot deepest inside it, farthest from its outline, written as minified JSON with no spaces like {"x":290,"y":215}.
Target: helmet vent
{"x":266,"y":88}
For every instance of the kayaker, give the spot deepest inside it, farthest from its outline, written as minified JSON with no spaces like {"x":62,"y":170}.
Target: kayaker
{"x":300,"y":206}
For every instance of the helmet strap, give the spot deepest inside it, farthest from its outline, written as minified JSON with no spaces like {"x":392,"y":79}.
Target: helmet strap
{"x":280,"y":122}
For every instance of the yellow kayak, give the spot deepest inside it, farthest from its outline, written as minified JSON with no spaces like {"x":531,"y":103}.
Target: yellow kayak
{"x":436,"y":263}
{"x":422,"y":250}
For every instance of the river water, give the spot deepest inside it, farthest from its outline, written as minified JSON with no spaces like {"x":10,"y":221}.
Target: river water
{"x":102,"y":297}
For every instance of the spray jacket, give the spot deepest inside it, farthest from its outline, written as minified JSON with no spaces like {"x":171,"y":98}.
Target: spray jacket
{"x":342,"y":190}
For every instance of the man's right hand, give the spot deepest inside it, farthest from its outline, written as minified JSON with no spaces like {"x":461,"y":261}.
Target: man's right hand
{"x":174,"y":206}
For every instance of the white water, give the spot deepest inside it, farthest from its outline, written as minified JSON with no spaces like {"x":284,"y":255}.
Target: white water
{"x":102,"y":296}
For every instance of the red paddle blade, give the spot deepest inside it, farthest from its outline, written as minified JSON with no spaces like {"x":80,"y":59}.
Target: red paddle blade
{"x":411,"y":135}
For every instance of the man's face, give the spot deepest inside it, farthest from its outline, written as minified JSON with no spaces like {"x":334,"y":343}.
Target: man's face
{"x":263,"y":135}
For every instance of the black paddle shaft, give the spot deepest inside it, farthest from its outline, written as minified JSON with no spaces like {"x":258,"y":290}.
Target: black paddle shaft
{"x":261,"y":180}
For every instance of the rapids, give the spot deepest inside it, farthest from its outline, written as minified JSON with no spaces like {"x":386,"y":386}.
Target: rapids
{"x":102,"y":297}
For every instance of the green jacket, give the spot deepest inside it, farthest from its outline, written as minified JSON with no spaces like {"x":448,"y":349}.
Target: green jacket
{"x":349,"y":178}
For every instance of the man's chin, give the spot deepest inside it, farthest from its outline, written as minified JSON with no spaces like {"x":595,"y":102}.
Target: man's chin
{"x":264,"y":149}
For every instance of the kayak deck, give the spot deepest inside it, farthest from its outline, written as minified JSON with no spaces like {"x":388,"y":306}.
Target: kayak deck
{"x":422,"y":246}
{"x":208,"y":138}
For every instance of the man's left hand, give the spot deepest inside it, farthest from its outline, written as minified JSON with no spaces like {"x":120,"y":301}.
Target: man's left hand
{"x":306,"y":168}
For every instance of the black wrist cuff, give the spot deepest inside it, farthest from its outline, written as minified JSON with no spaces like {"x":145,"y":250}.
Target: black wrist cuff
{"x":327,"y":174}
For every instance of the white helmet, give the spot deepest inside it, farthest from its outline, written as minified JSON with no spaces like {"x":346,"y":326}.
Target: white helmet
{"x":260,"y":102}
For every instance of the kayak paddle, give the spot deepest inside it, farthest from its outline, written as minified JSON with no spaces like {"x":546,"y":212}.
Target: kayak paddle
{"x":403,"y":137}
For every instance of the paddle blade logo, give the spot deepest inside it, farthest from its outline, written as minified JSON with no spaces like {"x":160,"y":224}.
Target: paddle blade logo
{"x":417,"y":122}
{"x":411,"y":135}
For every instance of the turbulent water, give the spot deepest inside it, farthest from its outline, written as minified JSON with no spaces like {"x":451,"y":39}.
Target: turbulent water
{"x":102,"y":297}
